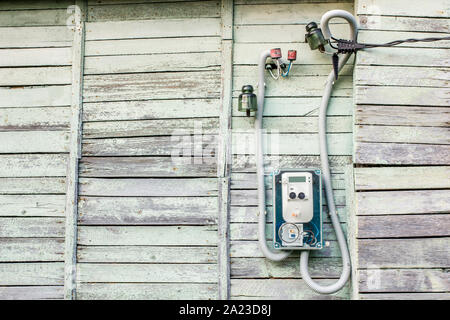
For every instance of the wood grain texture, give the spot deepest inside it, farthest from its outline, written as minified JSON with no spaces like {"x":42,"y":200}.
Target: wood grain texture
{"x":45,"y":227}
{"x":32,"y":274}
{"x":33,"y":165}
{"x":32,"y":293}
{"x":24,"y":119}
{"x":31,"y":249}
{"x":32,"y":205}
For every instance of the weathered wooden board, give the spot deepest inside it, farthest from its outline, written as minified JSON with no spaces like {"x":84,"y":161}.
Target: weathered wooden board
{"x":35,"y":76}
{"x":146,"y":291}
{"x":33,"y":165}
{"x":195,"y":9}
{"x":402,"y":76}
{"x":34,"y":141}
{"x":129,"y":273}
{"x":32,"y":293}
{"x":31,"y":249}
{"x":409,"y":96}
{"x":409,"y":253}
{"x":142,"y":211}
{"x":256,"y":268}
{"x":404,"y":226}
{"x":403,"y":134}
{"x":35,"y":96}
{"x":32,"y":185}
{"x":395,"y":178}
{"x":203,"y":61}
{"x":281,"y":289}
{"x":33,"y":18}
{"x":29,"y":4}
{"x":32,"y":205}
{"x":36,"y":37}
{"x":397,"y":23}
{"x":150,"y":109}
{"x":146,"y":254}
{"x":300,"y":106}
{"x":151,"y":187}
{"x":377,"y":37}
{"x":152,"y":46}
{"x":158,"y":28}
{"x":110,"y":167}
{"x":403,"y":202}
{"x":23,"y":119}
{"x":35,"y":57}
{"x":419,"y":57}
{"x":45,"y":227}
{"x":138,"y":128}
{"x":142,"y":86}
{"x":404,"y":280}
{"x":336,"y":124}
{"x":413,"y":116}
{"x":147,"y":235}
{"x":32,"y":274}
{"x":400,"y":153}
{"x":409,"y":8}
{"x":277,"y":13}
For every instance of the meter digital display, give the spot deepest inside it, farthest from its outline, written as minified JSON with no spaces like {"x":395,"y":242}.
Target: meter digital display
{"x":297,"y":179}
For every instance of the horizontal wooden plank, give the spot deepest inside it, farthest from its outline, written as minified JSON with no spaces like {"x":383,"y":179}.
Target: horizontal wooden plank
{"x":299,"y":106}
{"x":410,"y":96}
{"x":147,"y":235}
{"x":180,"y":148}
{"x":403,"y":280}
{"x":115,"y":167}
{"x":336,"y":124}
{"x":255,"y":268}
{"x":251,"y":249}
{"x":33,"y":165}
{"x":378,"y":37}
{"x":23,"y":119}
{"x":414,"y":57}
{"x":150,"y":187}
{"x":18,"y":227}
{"x":29,"y":4}
{"x":142,"y":86}
{"x":246,"y":163}
{"x":117,"y":273}
{"x":397,"y":23}
{"x":31,"y":250}
{"x":141,"y":211}
{"x":403,"y":202}
{"x":413,"y":116}
{"x":158,"y":28}
{"x":34,"y":141}
{"x":137,"y":128}
{"x":32,"y":185}
{"x":275,"y":13}
{"x":150,"y":109}
{"x":404,"y":226}
{"x":146,"y":254}
{"x":32,"y":274}
{"x":29,"y":76}
{"x":32,"y":18}
{"x":35,"y":96}
{"x":409,"y":8}
{"x":151,"y":46}
{"x":36,"y":37}
{"x":405,"y":296}
{"x":402,"y":134}
{"x":146,"y":291}
{"x":400,"y":153}
{"x":291,"y":144}
{"x":35,"y":57}
{"x":32,"y":293}
{"x":391,"y":178}
{"x":205,"y":61}
{"x":409,"y":253}
{"x":281,"y":289}
{"x":141,"y":11}
{"x":32,"y":205}
{"x":402,"y":76}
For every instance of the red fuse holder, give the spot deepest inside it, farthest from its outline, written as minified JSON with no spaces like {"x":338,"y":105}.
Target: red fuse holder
{"x":275,"y":53}
{"x":292,"y":55}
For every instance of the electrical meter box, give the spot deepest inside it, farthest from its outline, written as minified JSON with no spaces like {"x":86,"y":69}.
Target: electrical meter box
{"x":297,"y":206}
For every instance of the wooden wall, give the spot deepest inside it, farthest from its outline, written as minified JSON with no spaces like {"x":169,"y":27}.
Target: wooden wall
{"x":402,"y":152}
